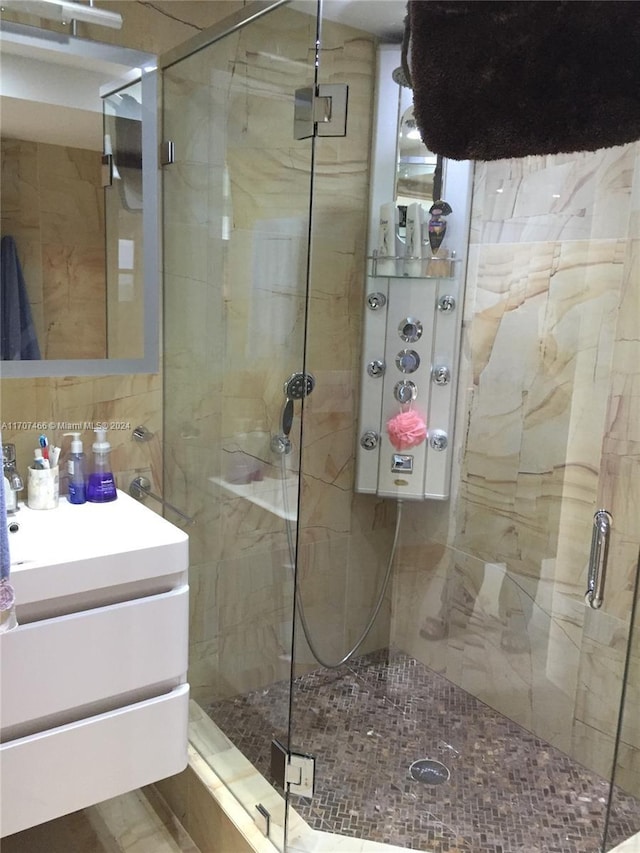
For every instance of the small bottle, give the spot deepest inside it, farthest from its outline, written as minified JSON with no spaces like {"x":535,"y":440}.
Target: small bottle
{"x":388,"y":239}
{"x":75,"y":469}
{"x":101,"y":487}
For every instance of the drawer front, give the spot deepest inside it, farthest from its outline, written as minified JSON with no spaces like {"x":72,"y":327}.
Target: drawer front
{"x":56,"y":665}
{"x":61,"y":770}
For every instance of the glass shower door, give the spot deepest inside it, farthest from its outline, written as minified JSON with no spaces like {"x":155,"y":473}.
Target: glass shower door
{"x":490,"y":664}
{"x":236,"y":219}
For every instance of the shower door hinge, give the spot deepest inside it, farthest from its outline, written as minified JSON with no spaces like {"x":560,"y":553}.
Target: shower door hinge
{"x":167,"y":153}
{"x":321,"y":111}
{"x":293,"y":771}
{"x":107,"y":170}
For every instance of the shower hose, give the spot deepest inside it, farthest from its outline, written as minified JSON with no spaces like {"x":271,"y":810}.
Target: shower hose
{"x":299,"y":603}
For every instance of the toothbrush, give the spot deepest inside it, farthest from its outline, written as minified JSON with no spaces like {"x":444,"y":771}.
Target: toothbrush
{"x":44,"y":444}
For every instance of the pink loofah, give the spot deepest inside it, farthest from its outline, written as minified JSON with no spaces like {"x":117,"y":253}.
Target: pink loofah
{"x":408,"y":429}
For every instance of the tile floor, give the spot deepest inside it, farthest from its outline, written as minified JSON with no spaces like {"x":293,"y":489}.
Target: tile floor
{"x":138,"y":822}
{"x":509,"y":791}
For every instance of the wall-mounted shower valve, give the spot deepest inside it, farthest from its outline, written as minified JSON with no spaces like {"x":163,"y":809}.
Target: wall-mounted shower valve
{"x":376,"y":300}
{"x":376,"y":368}
{"x":410,"y":330}
{"x":369,"y":439}
{"x":446,"y":303}
{"x":408,"y":360}
{"x":438,"y":440}
{"x":405,"y":391}
{"x":441,"y":375}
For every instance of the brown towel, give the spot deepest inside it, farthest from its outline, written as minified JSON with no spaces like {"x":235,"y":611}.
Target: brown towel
{"x":507,"y":79}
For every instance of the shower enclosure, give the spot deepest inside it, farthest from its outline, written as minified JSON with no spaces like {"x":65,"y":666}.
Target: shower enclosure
{"x":484,"y":659}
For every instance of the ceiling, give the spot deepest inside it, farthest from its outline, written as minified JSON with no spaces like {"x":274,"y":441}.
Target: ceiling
{"x":384,"y":18}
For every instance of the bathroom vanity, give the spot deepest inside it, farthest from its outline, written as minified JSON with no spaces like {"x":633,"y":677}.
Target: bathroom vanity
{"x":93,"y":690}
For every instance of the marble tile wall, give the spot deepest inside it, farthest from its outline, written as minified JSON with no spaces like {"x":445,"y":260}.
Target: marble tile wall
{"x":490,"y":588}
{"x":237,"y":206}
{"x":52,"y":205}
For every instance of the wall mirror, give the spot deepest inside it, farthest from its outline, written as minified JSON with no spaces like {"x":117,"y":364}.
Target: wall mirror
{"x":79,"y":206}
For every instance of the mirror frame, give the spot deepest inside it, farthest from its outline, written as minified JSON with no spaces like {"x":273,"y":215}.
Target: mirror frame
{"x":144,"y":68}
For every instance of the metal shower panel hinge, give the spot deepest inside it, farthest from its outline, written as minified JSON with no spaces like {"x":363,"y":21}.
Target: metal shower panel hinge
{"x":107,"y":170}
{"x":294,"y":771}
{"x":167,"y":153}
{"x":321,"y":111}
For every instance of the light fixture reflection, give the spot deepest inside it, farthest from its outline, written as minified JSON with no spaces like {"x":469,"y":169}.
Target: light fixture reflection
{"x":66,"y":10}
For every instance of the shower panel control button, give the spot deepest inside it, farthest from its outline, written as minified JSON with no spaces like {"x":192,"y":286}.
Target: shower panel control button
{"x":401,"y":463}
{"x":405,"y":391}
{"x":441,"y":374}
{"x":376,"y":368}
{"x":408,"y":361}
{"x":376,"y":300}
{"x":369,"y":440}
{"x":410,"y":330}
{"x":446,"y":303}
{"x":438,"y":440}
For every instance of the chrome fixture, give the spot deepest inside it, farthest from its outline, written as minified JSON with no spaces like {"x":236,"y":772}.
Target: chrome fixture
{"x":140,"y":489}
{"x":441,"y":375}
{"x":438,"y":440}
{"x":407,"y":361}
{"x":410,"y":330}
{"x":405,"y":391}
{"x":320,"y":110}
{"x":376,"y":301}
{"x":297,"y":386}
{"x":369,"y":439}
{"x":376,"y":368}
{"x":142,"y":434}
{"x":66,"y":10}
{"x":598,"y":558}
{"x":446,"y":303}
{"x":12,"y":476}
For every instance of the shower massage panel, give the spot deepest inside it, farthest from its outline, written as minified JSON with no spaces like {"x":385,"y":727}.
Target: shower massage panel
{"x":412,"y":313}
{"x":410,"y":365}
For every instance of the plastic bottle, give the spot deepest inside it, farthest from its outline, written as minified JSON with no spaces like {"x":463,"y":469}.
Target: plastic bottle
{"x":101,"y":487}
{"x":75,"y":468}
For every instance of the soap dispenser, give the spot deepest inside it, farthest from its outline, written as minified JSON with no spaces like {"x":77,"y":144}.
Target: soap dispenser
{"x":75,"y":468}
{"x":101,"y":487}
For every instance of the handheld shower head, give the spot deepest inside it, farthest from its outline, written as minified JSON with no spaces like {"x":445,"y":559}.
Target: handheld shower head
{"x":297,"y":386}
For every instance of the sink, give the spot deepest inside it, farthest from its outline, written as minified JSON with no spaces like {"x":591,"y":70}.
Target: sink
{"x":73,"y":548}
{"x":98,"y":656}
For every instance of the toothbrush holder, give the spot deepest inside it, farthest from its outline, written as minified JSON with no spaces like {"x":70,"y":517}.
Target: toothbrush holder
{"x":43,"y":488}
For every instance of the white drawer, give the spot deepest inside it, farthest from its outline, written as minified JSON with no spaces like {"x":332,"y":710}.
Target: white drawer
{"x":61,"y":770}
{"x":134,"y":649}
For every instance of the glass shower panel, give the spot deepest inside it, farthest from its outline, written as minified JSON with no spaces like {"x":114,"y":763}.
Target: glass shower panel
{"x":236,"y":211}
{"x":482,"y":708}
{"x":626,"y":771}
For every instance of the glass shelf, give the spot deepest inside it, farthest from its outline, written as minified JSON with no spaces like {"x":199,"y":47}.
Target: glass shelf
{"x":400,"y":266}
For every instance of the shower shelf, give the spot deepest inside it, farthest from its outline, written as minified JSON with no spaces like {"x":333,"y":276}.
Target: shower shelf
{"x":267,"y":494}
{"x":431,"y":266}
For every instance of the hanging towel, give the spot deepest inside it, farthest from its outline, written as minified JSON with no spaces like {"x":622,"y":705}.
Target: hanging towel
{"x":7,"y":597}
{"x":507,"y":79}
{"x":18,"y":339}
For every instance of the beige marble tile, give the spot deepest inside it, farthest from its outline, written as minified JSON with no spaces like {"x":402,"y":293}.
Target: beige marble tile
{"x":137,"y":822}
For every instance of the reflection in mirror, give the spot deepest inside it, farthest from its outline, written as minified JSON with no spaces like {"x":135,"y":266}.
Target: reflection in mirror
{"x":416,"y":164}
{"x":79,"y":286}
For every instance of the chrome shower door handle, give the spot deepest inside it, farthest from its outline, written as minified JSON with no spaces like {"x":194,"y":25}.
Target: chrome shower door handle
{"x":598,"y":558}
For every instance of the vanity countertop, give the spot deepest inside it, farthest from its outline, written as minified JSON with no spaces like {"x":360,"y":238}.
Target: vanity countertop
{"x":78,"y":548}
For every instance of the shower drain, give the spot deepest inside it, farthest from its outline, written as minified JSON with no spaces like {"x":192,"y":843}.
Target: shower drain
{"x":429,"y":771}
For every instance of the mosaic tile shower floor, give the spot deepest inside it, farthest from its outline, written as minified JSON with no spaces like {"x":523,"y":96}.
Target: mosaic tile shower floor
{"x":509,"y":791}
